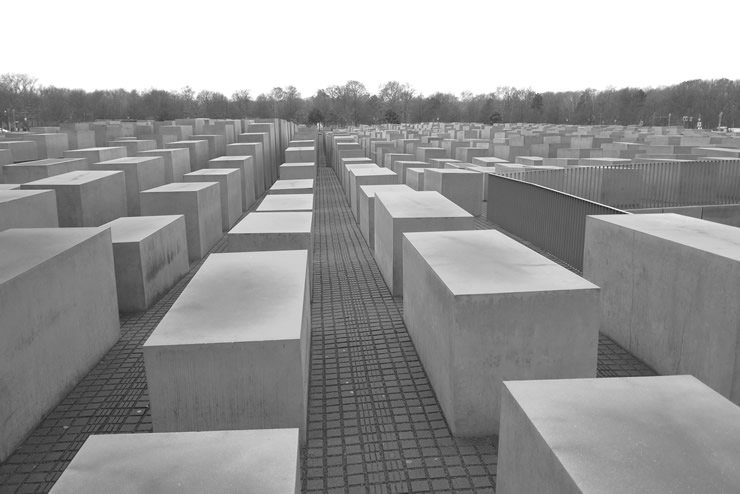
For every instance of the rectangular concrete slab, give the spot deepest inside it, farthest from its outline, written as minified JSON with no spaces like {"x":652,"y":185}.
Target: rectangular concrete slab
{"x":135,"y":146}
{"x":28,"y":209}
{"x":86,"y":198}
{"x":617,"y":435}
{"x":230,"y":187}
{"x":367,"y":208}
{"x":264,"y":155}
{"x":29,"y":171}
{"x":303,"y":186}
{"x":232,"y":352}
{"x":670,"y":288}
{"x":49,"y":145}
{"x":482,"y":308}
{"x":140,"y":174}
{"x":463,"y":187}
{"x":396,"y":214}
{"x":298,"y":170}
{"x":151,"y":255}
{"x":262,"y":175}
{"x":98,"y":154}
{"x":198,"y":152}
{"x":272,"y":231}
{"x":286,"y":202}
{"x":359,"y":177}
{"x":300,"y":155}
{"x":216,"y":144}
{"x":400,"y":168}
{"x":176,"y":162}
{"x":21,"y":150}
{"x":59,"y":316}
{"x":200,"y":203}
{"x":247,"y":168}
{"x":259,"y":461}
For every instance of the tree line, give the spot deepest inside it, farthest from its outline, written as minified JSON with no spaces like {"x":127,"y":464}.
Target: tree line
{"x":715,"y":102}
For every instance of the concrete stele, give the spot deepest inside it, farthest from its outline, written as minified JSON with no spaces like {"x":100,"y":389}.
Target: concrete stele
{"x":286,"y":202}
{"x":200,"y":203}
{"x":463,"y":187}
{"x":140,"y":174}
{"x":59,"y":316}
{"x":297,"y":171}
{"x":246,"y":165}
{"x":229,"y":462}
{"x":272,"y":231}
{"x":412,"y":212}
{"x":198,"y":152}
{"x":86,"y":198}
{"x":151,"y":255}
{"x":230,"y":187}
{"x":616,"y":435}
{"x":28,"y":209}
{"x":21,"y":173}
{"x":232,"y":352}
{"x":482,"y":308}
{"x":304,"y":186}
{"x":176,"y":162}
{"x":669,"y":292}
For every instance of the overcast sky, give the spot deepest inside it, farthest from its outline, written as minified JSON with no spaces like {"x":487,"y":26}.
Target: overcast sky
{"x":449,"y":46}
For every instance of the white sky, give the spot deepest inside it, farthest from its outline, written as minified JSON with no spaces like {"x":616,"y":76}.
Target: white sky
{"x":448,"y":46}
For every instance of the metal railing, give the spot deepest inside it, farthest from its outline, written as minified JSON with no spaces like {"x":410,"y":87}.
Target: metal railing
{"x":548,"y":219}
{"x":645,"y":185}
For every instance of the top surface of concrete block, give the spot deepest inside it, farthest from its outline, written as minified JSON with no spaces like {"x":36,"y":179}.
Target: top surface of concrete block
{"x":427,"y":204}
{"x":131,"y":160}
{"x":261,"y":461}
{"x":215,"y":171}
{"x":287,"y":202}
{"x":370,"y":190}
{"x":368,"y":171}
{"x":181,"y":187}
{"x":303,"y":183}
{"x":24,"y":248}
{"x":9,"y":194}
{"x":645,"y":434}
{"x":74,"y":178}
{"x":46,"y":162}
{"x":274,"y":222}
{"x":298,"y":164}
{"x":231,"y":159}
{"x":450,"y":171}
{"x":485,"y":262}
{"x":136,"y":229}
{"x":722,"y":240}
{"x":239,"y":297}
{"x":96,"y":149}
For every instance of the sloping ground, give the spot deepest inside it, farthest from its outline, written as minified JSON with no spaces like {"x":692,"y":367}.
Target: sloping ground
{"x":374,"y":422}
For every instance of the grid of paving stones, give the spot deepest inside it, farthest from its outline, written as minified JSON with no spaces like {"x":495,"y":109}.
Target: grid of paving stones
{"x":374,"y":422}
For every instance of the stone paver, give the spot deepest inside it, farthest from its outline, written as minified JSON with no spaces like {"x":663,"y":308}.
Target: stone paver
{"x":374,"y":423}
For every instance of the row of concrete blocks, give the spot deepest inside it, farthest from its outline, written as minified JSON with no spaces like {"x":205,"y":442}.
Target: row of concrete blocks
{"x":150,"y":254}
{"x":179,"y":156}
{"x":482,"y":310}
{"x":68,"y":249}
{"x":232,"y":354}
{"x":465,"y":187}
{"x":458,"y":285}
{"x":609,"y":186}
{"x":556,"y":144}
{"x":263,"y":138}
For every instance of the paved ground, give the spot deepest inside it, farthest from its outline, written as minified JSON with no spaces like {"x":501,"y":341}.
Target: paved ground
{"x":374,"y":422}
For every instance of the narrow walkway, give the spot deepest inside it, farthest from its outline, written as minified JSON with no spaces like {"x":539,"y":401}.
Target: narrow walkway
{"x":374,"y":422}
